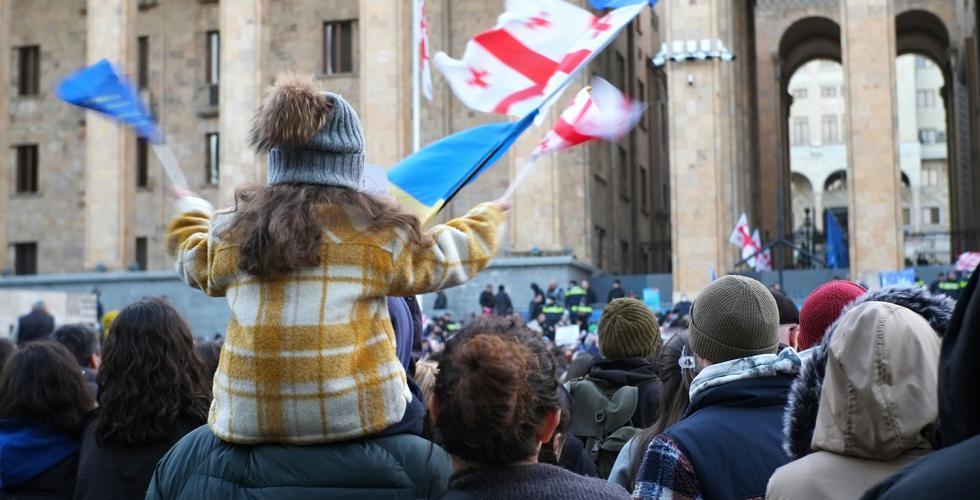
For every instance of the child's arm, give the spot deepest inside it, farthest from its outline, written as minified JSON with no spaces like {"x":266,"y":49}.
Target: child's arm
{"x":188,"y":240}
{"x":462,"y":248}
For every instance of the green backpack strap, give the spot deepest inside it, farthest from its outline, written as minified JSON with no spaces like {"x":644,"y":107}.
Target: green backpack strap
{"x":600,"y":410}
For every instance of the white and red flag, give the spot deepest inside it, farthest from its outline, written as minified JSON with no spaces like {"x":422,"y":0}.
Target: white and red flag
{"x":599,"y":112}
{"x":741,"y":235}
{"x":532,"y":52}
{"x":763,"y":261}
{"x":422,"y":45}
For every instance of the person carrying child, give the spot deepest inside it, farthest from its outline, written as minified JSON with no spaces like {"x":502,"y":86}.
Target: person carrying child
{"x":306,"y":263}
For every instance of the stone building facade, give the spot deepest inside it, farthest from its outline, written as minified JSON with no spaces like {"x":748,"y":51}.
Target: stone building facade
{"x":99,"y":200}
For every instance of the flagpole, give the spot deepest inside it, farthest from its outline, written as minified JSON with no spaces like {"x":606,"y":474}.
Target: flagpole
{"x":416,"y":76}
{"x":521,"y":174}
{"x":170,"y":166}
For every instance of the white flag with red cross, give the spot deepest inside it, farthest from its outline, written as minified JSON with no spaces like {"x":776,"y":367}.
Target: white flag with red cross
{"x":741,"y":235}
{"x":597,"y":112}
{"x":763,"y":261}
{"x":422,"y":45}
{"x":530,"y":54}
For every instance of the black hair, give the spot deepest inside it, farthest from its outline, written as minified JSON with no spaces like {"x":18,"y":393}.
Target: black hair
{"x":80,"y":340}
{"x":42,"y":384}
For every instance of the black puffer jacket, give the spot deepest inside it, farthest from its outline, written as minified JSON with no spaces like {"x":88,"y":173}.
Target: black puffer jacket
{"x":804,"y":398}
{"x":637,"y":372}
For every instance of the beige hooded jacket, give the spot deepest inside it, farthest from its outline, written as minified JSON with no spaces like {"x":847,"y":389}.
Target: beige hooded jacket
{"x":878,"y":396}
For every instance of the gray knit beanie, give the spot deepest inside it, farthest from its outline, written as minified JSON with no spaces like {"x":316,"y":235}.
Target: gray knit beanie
{"x":627,"y":329}
{"x":311,"y":137}
{"x":734,"y":317}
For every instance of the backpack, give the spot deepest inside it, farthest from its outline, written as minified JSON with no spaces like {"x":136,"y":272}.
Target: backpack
{"x":602,"y":416}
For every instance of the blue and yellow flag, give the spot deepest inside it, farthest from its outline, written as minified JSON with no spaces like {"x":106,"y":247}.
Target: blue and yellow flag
{"x":425,"y":181}
{"x":101,"y":88}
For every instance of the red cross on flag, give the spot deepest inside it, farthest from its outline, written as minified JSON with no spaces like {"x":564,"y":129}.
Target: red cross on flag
{"x":532,"y":52}
{"x":602,"y":112}
{"x":422,"y":44}
{"x":741,"y":235}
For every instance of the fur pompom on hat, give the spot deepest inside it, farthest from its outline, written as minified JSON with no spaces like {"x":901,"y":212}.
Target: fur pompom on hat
{"x":311,"y":137}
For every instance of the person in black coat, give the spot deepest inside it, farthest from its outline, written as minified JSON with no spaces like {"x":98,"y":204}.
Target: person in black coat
{"x":949,"y":472}
{"x":616,"y":292}
{"x":154,"y":389}
{"x":502,"y":306}
{"x":487,"y":299}
{"x":35,"y":325}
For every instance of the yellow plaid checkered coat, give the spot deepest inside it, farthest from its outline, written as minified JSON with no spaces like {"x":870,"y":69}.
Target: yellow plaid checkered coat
{"x":309,"y":357}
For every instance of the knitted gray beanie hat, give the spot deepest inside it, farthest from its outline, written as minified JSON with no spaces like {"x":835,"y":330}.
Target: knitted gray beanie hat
{"x":311,"y":137}
{"x":734,"y":317}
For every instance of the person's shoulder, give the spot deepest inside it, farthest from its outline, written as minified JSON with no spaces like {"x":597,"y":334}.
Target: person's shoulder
{"x":583,"y":486}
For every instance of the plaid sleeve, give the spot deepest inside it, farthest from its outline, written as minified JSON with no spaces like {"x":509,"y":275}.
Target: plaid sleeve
{"x":666,"y":473}
{"x":462,"y":248}
{"x":188,"y":240}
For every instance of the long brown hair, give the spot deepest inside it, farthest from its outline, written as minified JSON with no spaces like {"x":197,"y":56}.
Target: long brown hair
{"x":279,"y":228}
{"x":151,"y":378}
{"x":675,"y":383}
{"x":42,"y":384}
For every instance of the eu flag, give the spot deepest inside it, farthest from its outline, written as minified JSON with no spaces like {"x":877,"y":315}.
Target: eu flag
{"x":101,"y":88}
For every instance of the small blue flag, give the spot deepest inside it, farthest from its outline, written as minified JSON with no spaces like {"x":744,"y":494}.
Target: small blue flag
{"x":615,"y":4}
{"x":425,"y":181}
{"x":101,"y":88}
{"x":837,"y":256}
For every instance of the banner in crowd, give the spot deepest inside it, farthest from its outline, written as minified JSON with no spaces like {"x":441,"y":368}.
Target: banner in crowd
{"x":897,"y":278}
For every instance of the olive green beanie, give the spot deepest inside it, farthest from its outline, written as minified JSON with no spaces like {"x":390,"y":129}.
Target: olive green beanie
{"x":734,"y":317}
{"x":627,"y":329}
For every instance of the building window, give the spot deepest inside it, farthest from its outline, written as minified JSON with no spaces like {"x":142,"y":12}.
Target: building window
{"x":800,"y":131}
{"x":831,"y":129}
{"x":906,"y":216}
{"x":930,"y":215}
{"x":644,"y":189}
{"x":624,"y":252}
{"x":212,"y":74}
{"x":925,"y":98}
{"x":29,"y":70}
{"x":624,"y":172}
{"x":213,"y":169}
{"x":927,"y":136}
{"x":641,"y":92}
{"x":142,"y":163}
{"x":920,"y":62}
{"x":600,"y":242}
{"x":25,"y":258}
{"x":27,"y":167}
{"x":141,"y":255}
{"x":798,"y":93}
{"x":338,"y":47}
{"x":143,"y":62}
{"x":828,"y":91}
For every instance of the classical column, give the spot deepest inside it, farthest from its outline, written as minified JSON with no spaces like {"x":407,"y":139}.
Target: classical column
{"x":106,"y":176}
{"x":385,"y":78}
{"x":873,"y":178}
{"x":704,"y":140}
{"x":244,"y":38}
{"x":5,"y":153}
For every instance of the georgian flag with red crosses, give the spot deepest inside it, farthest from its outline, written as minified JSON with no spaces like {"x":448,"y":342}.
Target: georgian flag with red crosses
{"x":600,"y":111}
{"x":532,"y":52}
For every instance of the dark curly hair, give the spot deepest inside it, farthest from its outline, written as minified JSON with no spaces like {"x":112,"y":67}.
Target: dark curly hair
{"x":496,"y":383}
{"x":42,"y":384}
{"x":150,"y":376}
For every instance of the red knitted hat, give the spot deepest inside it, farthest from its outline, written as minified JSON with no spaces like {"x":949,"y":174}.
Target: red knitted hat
{"x":822,"y":308}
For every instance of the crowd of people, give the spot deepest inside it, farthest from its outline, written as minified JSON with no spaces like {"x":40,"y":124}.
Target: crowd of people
{"x":324,"y":387}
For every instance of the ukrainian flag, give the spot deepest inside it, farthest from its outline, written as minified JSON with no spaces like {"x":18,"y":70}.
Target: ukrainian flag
{"x":424,"y":182}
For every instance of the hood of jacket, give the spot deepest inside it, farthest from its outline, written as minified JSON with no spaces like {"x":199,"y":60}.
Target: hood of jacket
{"x":787,"y":362}
{"x":804,"y":397}
{"x":625,"y":371}
{"x":28,"y":450}
{"x":879,"y":397}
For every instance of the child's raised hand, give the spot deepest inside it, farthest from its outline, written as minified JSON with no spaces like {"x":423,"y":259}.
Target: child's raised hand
{"x":179,"y":192}
{"x":503,"y":204}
